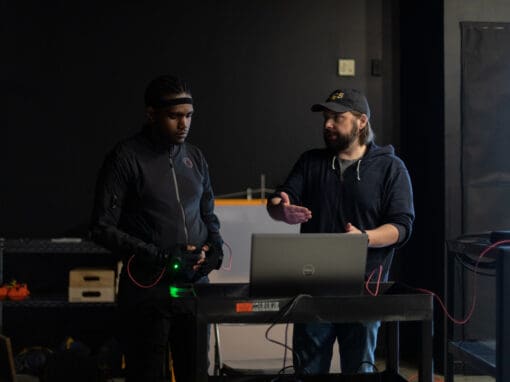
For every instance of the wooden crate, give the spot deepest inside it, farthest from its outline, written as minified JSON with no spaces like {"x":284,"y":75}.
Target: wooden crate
{"x":91,"y":278}
{"x":91,"y":294}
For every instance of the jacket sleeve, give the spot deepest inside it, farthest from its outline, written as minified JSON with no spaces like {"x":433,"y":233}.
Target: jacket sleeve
{"x":398,"y":201}
{"x":294,"y":183}
{"x":113,"y":183}
{"x":207,"y":208}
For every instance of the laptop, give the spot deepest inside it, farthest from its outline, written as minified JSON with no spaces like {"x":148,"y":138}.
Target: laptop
{"x":318,"y":264}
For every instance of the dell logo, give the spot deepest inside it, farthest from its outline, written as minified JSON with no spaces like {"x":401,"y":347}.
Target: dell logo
{"x":308,"y":270}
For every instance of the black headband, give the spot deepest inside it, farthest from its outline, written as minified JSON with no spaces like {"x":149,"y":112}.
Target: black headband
{"x":172,"y":102}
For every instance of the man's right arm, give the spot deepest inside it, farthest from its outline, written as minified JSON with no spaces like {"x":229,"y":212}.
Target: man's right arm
{"x":280,"y":208}
{"x":111,"y":189}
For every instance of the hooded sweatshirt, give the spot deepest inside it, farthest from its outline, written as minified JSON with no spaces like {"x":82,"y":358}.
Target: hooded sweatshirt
{"x":373,"y":191}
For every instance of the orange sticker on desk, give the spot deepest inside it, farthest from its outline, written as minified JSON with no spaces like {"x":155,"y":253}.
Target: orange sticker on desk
{"x":244,"y":307}
{"x":258,"y":306}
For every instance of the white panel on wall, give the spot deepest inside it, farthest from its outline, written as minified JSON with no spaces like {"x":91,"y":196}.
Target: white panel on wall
{"x":238,"y":223}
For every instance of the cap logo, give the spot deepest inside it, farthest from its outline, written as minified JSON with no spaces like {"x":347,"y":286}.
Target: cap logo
{"x":336,"y":96}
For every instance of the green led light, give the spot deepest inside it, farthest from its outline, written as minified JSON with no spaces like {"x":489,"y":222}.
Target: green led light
{"x":176,"y":266}
{"x":178,"y":292}
{"x":174,"y":292}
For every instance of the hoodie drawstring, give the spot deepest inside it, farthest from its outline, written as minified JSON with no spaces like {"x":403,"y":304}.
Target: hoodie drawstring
{"x":358,"y":177}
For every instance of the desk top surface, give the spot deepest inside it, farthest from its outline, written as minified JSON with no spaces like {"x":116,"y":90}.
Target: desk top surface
{"x":232,"y":303}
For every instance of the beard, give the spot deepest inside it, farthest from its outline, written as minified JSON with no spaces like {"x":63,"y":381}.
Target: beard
{"x":338,"y":142}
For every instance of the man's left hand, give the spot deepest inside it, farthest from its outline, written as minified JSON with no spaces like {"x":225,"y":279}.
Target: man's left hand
{"x":349,"y":228}
{"x":213,"y":258}
{"x":192,"y":248}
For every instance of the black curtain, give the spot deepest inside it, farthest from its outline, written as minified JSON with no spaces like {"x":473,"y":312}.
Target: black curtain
{"x":485,"y":126}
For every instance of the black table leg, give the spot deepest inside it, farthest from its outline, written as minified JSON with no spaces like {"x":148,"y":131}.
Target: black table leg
{"x":392,"y":347}
{"x":502,"y":317}
{"x":426,"y":371}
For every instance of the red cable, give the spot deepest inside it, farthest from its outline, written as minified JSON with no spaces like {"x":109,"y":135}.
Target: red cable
{"x":136,"y":282}
{"x":473,"y":304}
{"x":377,"y":284}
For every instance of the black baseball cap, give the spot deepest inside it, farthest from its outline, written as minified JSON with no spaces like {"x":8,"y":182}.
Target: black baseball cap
{"x":342,"y":100}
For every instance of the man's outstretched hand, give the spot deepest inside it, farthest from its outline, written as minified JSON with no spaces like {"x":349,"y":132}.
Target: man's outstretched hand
{"x":282,"y":209}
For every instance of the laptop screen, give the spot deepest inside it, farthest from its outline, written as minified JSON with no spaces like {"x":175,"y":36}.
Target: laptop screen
{"x":318,"y":264}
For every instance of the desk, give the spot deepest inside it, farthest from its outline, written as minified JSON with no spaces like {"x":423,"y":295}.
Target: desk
{"x":219,"y":303}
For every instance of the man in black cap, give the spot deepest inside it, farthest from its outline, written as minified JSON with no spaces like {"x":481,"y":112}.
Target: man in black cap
{"x":154,"y":208}
{"x":351,"y":186}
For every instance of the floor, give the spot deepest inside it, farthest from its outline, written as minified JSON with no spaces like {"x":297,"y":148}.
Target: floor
{"x":409,"y":372}
{"x":412,"y":376}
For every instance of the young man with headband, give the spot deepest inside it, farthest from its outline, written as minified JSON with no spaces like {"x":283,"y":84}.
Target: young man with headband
{"x":154,"y":205}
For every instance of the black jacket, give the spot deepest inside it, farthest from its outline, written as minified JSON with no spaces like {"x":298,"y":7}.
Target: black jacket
{"x":151,"y":197}
{"x":373,"y":191}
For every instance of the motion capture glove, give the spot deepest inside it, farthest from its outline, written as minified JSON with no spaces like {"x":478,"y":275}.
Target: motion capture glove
{"x":176,"y":261}
{"x":179,"y":259}
{"x":213,"y":258}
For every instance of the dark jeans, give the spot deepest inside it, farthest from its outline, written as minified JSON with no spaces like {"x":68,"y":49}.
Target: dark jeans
{"x":313,"y":344}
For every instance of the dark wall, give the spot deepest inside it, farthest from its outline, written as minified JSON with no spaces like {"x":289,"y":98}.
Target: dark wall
{"x":422,"y":137}
{"x":420,"y":262}
{"x":73,"y":75}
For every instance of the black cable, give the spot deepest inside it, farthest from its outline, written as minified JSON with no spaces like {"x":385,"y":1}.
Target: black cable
{"x":471,"y":266}
{"x":475,"y":235}
{"x":285,"y":352}
{"x":472,"y":260}
{"x":286,"y":347}
{"x":473,"y":255}
{"x":282,"y":371}
{"x":284,"y":312}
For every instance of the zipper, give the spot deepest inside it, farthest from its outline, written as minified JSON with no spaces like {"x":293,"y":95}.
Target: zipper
{"x":178,"y":196}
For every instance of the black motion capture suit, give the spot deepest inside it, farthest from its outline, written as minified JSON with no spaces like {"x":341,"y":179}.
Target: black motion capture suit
{"x":150,"y":199}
